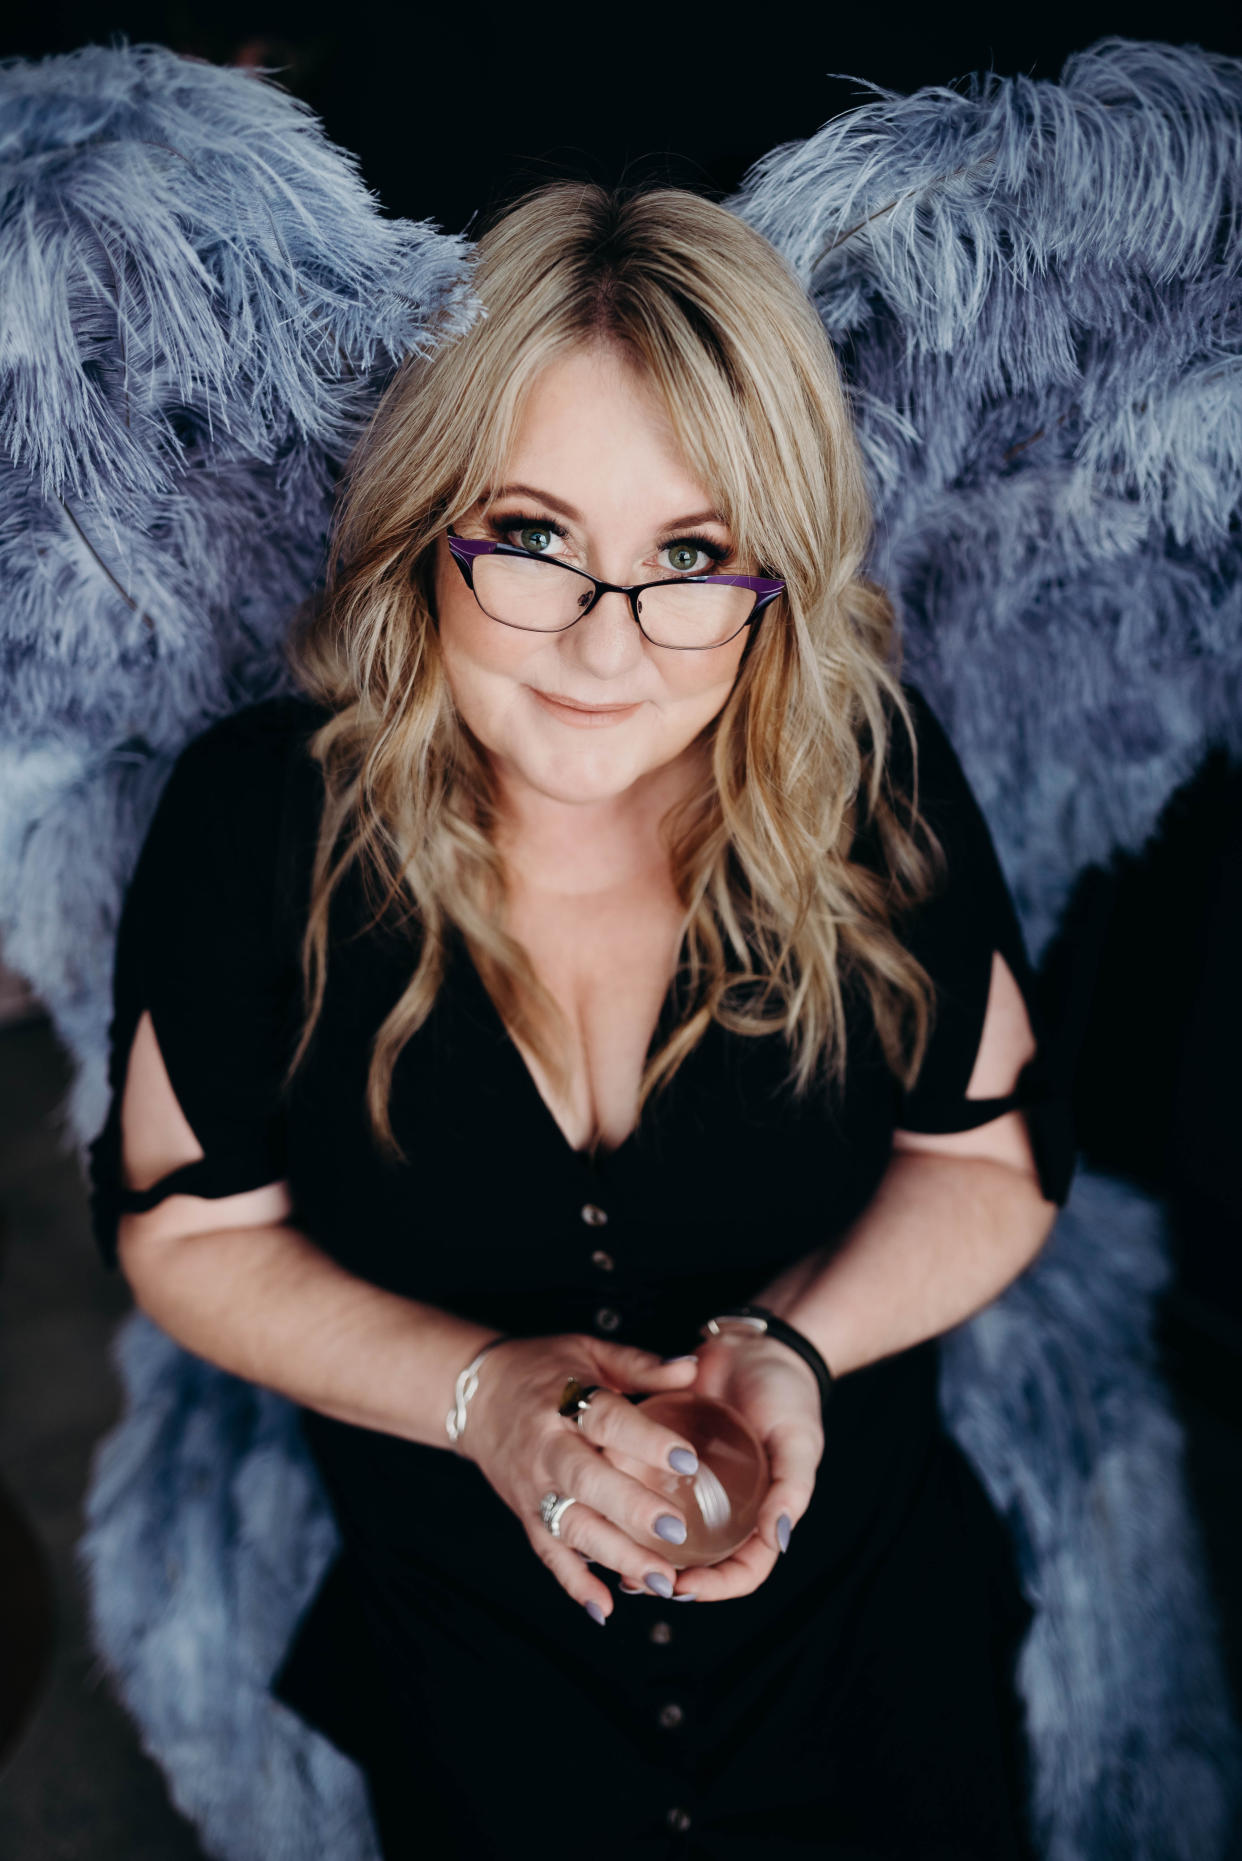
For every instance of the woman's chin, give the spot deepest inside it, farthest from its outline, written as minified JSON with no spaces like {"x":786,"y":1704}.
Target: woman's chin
{"x":578,"y":780}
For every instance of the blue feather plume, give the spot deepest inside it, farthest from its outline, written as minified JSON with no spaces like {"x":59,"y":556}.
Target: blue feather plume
{"x":1034,"y":291}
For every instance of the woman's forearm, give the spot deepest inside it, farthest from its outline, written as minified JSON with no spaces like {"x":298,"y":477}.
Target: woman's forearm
{"x":268,"y":1305}
{"x":940,"y":1239}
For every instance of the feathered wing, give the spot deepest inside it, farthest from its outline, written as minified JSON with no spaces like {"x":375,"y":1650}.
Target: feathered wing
{"x":200,"y":303}
{"x":1034,"y":291}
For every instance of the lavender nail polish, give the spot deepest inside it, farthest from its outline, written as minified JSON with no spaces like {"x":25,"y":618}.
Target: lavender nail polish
{"x":671,"y":1529}
{"x":595,"y":1612}
{"x":683,"y":1460}
{"x":783,"y":1529}
{"x":657,"y":1581}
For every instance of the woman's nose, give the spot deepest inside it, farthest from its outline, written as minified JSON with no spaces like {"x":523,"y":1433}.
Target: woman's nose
{"x":606,"y":641}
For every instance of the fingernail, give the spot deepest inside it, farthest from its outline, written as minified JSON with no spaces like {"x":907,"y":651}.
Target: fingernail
{"x":626,"y":1590}
{"x":782,"y":1531}
{"x":686,"y":1357}
{"x":657,"y":1581}
{"x":683,"y":1459}
{"x":595,"y":1612}
{"x":672,"y":1530}
{"x":687,"y":1597}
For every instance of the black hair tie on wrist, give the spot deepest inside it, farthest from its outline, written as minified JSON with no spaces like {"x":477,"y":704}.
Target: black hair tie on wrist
{"x":759,"y":1318}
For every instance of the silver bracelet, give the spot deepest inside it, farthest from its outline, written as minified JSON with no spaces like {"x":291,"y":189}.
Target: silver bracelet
{"x":466,"y":1385}
{"x":759,"y":1318}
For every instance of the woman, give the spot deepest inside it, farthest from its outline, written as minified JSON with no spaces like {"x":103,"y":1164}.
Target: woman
{"x":579,"y":959}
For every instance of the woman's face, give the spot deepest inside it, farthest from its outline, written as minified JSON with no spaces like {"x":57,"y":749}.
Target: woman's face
{"x":595,"y":456}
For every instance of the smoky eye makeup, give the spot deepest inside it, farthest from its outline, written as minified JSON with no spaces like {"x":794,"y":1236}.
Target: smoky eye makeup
{"x":503,"y":524}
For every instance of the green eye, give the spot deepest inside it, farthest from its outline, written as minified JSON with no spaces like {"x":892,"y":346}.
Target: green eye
{"x":688,"y":552}
{"x":531,"y":529}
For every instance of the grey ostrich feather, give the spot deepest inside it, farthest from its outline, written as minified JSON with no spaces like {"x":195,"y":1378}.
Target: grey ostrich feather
{"x":198,"y":304}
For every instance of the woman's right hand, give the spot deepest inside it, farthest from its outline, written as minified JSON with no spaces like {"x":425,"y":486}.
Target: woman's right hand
{"x":525,"y":1449}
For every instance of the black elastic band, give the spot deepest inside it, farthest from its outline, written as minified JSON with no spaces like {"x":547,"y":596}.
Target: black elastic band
{"x":214,"y":1177}
{"x":776,"y":1327}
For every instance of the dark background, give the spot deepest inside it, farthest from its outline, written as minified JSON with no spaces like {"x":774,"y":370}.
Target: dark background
{"x":451,"y":111}
{"x":450,"y":107}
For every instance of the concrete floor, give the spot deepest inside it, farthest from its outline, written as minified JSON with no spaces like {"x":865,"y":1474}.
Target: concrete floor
{"x":74,"y":1784}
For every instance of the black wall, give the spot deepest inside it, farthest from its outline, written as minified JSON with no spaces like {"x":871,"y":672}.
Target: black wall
{"x":451,"y":108}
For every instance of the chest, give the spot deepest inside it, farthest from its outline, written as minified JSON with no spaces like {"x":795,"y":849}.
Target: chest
{"x":608,"y":962}
{"x":727,"y":1167}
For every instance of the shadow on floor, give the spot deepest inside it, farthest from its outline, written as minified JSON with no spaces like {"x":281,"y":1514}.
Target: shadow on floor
{"x":75,"y":1785}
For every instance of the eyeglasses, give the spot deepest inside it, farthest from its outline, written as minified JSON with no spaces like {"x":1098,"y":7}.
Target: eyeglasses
{"x":533,"y":593}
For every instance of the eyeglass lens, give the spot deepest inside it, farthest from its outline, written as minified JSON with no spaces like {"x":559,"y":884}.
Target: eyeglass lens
{"x":540,"y":596}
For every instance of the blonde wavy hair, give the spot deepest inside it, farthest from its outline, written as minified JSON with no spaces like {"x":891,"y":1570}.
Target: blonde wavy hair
{"x":776,"y":912}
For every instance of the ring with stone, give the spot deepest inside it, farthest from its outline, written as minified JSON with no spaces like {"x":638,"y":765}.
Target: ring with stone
{"x":575,"y":1398}
{"x":552,"y":1509}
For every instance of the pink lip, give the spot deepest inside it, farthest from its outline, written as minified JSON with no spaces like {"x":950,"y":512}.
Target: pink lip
{"x":581,"y":716}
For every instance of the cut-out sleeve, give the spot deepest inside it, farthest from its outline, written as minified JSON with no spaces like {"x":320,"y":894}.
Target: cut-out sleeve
{"x":199,"y":946}
{"x":954,"y":935}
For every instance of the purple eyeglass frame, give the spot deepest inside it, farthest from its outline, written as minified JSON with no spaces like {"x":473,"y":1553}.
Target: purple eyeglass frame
{"x":465,"y":550}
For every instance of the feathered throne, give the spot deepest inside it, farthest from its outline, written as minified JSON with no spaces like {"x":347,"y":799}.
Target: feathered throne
{"x":1033,"y":290}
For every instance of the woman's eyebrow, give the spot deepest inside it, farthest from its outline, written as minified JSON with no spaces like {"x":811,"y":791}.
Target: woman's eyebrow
{"x":575,"y":516}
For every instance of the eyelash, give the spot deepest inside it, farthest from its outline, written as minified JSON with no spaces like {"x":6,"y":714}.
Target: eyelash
{"x":714,"y":551}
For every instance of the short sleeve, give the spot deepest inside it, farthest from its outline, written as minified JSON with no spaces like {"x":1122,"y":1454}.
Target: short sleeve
{"x":199,"y":945}
{"x":954,"y":935}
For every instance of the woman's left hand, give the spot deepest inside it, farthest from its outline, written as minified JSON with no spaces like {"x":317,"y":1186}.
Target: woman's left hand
{"x":776,"y":1392}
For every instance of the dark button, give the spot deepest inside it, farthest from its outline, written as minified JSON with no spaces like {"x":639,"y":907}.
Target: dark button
{"x":603,"y":1261}
{"x":607,"y":1319}
{"x":661,"y":1632}
{"x":678,"y":1818}
{"x":671,"y":1715}
{"x":594,"y":1217}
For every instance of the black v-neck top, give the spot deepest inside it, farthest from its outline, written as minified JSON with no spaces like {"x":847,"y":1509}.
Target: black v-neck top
{"x":437,"y":1613}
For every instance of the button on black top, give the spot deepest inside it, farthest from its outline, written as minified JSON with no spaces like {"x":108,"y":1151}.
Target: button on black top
{"x":593,"y":1216}
{"x":660,"y":1632}
{"x":603,"y":1261}
{"x":671,"y":1715}
{"x":607,"y":1319}
{"x":678,"y":1818}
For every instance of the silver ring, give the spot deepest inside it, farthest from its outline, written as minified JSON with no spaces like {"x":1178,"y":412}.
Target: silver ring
{"x":552,"y":1509}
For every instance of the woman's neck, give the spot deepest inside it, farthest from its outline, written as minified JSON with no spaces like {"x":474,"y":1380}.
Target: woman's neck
{"x":575,"y":849}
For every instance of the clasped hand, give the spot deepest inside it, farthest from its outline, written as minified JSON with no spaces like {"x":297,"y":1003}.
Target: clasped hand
{"x":524,"y":1449}
{"x":777,"y":1394}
